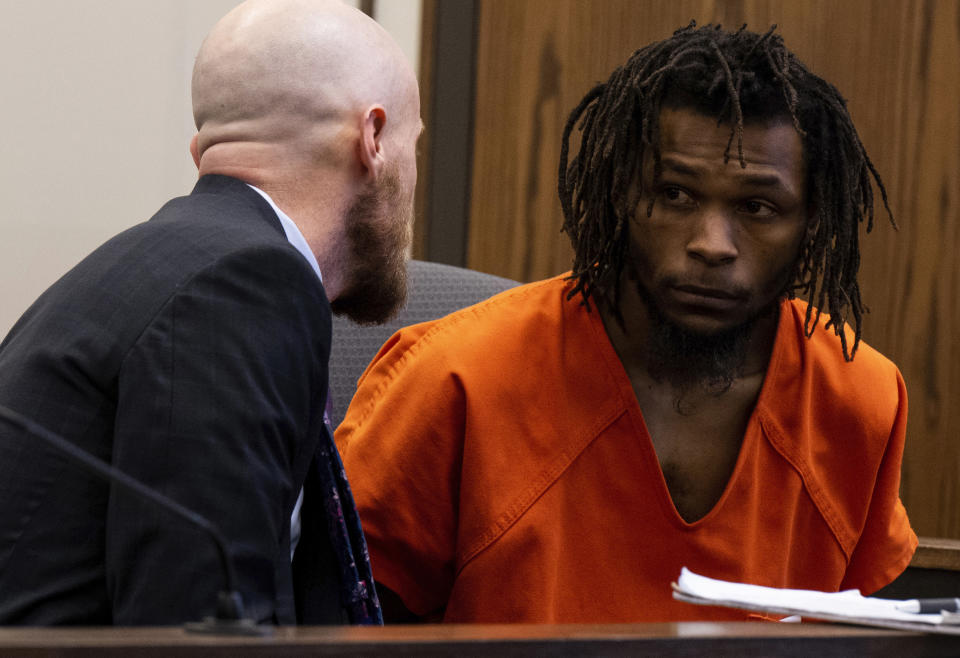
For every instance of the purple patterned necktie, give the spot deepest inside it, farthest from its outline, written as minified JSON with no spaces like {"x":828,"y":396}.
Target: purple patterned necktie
{"x":358,"y":594}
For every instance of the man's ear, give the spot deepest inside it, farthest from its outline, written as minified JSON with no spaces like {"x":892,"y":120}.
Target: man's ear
{"x":194,"y":150}
{"x":371,"y":146}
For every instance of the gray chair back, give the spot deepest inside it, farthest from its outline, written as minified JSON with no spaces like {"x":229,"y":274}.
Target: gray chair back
{"x":434,"y":290}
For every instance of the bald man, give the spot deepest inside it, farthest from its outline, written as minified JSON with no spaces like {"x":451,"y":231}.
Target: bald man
{"x":191,"y":350}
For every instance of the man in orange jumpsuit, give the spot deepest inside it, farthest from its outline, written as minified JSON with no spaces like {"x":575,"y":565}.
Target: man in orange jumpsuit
{"x":559,"y":452}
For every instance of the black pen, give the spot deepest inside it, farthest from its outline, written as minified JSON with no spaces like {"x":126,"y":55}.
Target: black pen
{"x":924,"y":606}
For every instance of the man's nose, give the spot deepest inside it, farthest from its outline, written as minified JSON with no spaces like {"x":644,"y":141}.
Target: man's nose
{"x":713,"y":238}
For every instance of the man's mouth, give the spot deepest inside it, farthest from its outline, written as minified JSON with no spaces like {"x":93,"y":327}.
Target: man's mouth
{"x":705,"y":297}
{"x":703,"y":291}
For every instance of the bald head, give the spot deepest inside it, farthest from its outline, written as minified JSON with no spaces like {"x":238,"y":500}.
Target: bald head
{"x":313,"y":102}
{"x":291,"y":71}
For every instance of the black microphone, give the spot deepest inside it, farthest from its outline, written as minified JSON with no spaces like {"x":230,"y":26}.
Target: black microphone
{"x":229,"y":618}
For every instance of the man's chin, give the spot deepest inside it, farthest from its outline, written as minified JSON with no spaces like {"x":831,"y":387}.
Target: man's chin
{"x":703,"y":326}
{"x":688,"y":359}
{"x":373,"y":300}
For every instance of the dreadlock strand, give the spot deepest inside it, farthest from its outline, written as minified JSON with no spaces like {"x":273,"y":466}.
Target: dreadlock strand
{"x":789,"y":93}
{"x":734,"y":97}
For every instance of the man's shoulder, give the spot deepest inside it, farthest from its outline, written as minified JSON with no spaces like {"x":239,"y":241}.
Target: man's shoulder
{"x":117,"y":290}
{"x":519,"y":352}
{"x":219,"y":222}
{"x":815,"y":402}
{"x":837,"y":422}
{"x":222,"y":213}
{"x":821,"y":354}
{"x":525,"y":341}
{"x":508,"y":321}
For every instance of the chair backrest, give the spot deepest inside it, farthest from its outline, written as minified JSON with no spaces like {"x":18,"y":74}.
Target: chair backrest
{"x":434,"y":290}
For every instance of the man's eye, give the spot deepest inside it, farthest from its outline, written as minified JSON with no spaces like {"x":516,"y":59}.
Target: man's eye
{"x":676,"y":195}
{"x":758,"y":209}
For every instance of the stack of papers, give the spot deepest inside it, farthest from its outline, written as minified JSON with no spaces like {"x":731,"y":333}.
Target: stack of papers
{"x":849,"y":606}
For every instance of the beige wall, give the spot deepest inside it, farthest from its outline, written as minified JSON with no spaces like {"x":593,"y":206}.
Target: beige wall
{"x":402,"y":19}
{"x":95,"y":122}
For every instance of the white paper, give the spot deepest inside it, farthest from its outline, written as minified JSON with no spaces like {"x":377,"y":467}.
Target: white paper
{"x":849,"y":604}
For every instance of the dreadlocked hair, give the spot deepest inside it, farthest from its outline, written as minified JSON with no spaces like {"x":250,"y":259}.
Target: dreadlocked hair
{"x":736,"y":77}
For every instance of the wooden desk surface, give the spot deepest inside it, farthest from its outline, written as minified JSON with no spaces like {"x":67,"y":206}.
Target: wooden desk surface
{"x":937,"y":553}
{"x":501,"y":641}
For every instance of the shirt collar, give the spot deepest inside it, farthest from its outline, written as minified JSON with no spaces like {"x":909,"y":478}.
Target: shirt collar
{"x":294,"y":236}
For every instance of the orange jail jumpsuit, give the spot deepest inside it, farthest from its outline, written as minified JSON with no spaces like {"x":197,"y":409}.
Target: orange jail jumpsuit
{"x":503,"y":472}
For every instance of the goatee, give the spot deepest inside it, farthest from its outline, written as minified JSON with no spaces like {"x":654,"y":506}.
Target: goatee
{"x":689,"y":360}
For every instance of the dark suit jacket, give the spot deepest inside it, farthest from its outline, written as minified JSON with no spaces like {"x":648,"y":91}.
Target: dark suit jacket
{"x":191,"y":352}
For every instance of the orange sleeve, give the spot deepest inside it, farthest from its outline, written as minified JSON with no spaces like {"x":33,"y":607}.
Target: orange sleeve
{"x":401,"y":443}
{"x":887,"y":542}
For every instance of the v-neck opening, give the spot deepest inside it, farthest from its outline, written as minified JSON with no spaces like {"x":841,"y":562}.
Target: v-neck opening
{"x":754,"y":427}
